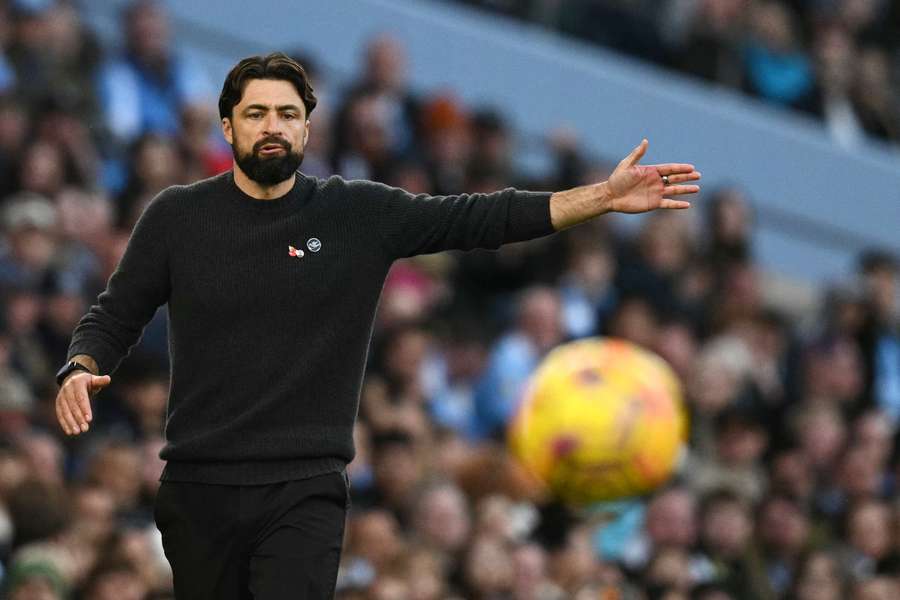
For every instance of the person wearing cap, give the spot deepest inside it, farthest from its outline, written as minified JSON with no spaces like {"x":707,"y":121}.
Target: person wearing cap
{"x":35,"y":577}
{"x":29,"y":224}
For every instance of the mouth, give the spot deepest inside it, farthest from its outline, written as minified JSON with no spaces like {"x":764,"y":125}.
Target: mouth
{"x":270,"y":149}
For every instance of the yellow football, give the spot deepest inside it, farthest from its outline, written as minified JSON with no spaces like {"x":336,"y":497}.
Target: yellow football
{"x":600,"y":419}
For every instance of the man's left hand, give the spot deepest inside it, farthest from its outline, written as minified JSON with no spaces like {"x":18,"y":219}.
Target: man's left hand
{"x":635,"y":188}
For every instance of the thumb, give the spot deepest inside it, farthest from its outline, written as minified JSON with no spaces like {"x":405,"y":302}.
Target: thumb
{"x":99,"y":382}
{"x":637,"y":154}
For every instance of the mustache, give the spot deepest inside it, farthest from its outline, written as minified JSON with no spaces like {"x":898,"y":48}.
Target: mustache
{"x":271,"y":140}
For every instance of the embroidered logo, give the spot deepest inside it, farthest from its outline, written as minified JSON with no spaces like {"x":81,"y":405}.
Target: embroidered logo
{"x":295,"y":252}
{"x":314,"y":244}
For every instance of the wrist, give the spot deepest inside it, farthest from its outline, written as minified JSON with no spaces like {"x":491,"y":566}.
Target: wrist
{"x":604,"y":198}
{"x":71,"y":375}
{"x":76,"y":364}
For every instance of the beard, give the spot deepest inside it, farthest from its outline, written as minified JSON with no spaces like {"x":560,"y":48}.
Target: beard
{"x":268,"y":171}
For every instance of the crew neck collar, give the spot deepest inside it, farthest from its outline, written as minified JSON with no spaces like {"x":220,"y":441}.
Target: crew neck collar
{"x":292,"y":199}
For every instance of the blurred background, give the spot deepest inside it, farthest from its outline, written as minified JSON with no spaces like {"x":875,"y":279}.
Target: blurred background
{"x":775,"y":298}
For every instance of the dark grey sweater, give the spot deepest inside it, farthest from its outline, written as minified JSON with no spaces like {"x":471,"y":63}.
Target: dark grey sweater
{"x":267,"y":344}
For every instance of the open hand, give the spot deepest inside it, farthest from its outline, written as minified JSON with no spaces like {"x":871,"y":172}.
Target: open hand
{"x":73,"y":406}
{"x":636,"y":188}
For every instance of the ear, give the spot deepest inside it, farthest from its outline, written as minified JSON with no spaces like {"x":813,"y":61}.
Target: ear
{"x":226,"y":130}
{"x":306,"y":134}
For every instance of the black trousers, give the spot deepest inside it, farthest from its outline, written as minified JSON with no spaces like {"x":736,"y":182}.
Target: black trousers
{"x":276,"y":541}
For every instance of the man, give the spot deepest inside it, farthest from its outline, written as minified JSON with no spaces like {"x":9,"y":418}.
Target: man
{"x":272,"y":279}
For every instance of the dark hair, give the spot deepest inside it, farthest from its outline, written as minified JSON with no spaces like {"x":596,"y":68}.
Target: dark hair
{"x":276,"y":65}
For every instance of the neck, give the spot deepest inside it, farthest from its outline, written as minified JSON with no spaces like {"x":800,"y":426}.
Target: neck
{"x":261,"y":192}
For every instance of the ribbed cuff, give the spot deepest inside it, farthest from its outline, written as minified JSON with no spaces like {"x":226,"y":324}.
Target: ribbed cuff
{"x":107,"y":359}
{"x":529,"y":216}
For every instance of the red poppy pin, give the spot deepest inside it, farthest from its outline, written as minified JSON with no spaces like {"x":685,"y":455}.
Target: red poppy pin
{"x":295,"y":252}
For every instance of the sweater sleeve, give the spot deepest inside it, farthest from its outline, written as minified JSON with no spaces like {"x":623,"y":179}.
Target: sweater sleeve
{"x":137,"y":287}
{"x":411,"y":224}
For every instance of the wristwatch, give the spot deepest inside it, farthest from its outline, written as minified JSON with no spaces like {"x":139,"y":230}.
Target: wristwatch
{"x":68,"y":368}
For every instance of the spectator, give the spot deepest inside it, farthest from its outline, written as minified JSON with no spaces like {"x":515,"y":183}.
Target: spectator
{"x":670,"y":522}
{"x":145,"y":88}
{"x":531,"y":581}
{"x":651,"y":270}
{"x":115,"y":466}
{"x":587,"y":292}
{"x":394,"y":396}
{"x":876,"y":103}
{"x":820,"y":578}
{"x":441,"y":520}
{"x":835,"y":52}
{"x":878,"y":338}
{"x":869,"y":537}
{"x":711,"y":48}
{"x":14,"y":124}
{"x":784,"y":537}
{"x":383,"y":81}
{"x":156,"y":166}
{"x":741,"y":439}
{"x":455,"y":371}
{"x":54,"y":55}
{"x":729,"y":225}
{"x":777,"y":68}
{"x":726,"y":531}
{"x":488,"y":569}
{"x":514,"y":357}
{"x":115,"y":581}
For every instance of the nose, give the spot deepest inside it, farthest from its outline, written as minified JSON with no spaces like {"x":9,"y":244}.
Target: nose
{"x":272,"y":124}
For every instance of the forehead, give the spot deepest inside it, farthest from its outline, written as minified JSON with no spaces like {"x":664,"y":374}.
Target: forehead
{"x":269,"y":92}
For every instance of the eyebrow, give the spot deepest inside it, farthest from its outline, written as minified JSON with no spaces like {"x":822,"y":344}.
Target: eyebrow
{"x":279,"y":108}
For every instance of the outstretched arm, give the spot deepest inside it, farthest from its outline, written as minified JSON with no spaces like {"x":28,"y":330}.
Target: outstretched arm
{"x":408,"y":224}
{"x":632,"y":188}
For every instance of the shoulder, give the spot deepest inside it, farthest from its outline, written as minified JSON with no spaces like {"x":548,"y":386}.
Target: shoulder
{"x":328,"y":184}
{"x":181,"y":196}
{"x":363,"y":189}
{"x":338,"y":182}
{"x":202,"y":187}
{"x":352,"y":189}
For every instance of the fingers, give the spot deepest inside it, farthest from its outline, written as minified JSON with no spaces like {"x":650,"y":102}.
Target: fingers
{"x":76,"y":406}
{"x":677,"y":190}
{"x":73,"y":406}
{"x":673,"y":169}
{"x":683,"y":177}
{"x":63,"y":420}
{"x":84,"y":406}
{"x":676,"y":204}
{"x":65,"y":415}
{"x":637,"y":154}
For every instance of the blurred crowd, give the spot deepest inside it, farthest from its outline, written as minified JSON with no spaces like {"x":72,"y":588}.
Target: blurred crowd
{"x":787,"y":489}
{"x":838,"y":60}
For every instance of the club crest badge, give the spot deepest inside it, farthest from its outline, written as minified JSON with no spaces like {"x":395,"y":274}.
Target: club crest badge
{"x":313,"y":244}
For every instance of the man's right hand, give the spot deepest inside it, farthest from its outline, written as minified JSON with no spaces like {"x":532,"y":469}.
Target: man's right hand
{"x":73,"y":406}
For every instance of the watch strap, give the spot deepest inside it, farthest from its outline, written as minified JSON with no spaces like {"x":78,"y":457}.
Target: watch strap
{"x":67,"y":369}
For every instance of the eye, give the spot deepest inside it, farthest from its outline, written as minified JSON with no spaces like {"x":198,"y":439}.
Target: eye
{"x":290,"y":116}
{"x":254,"y":115}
